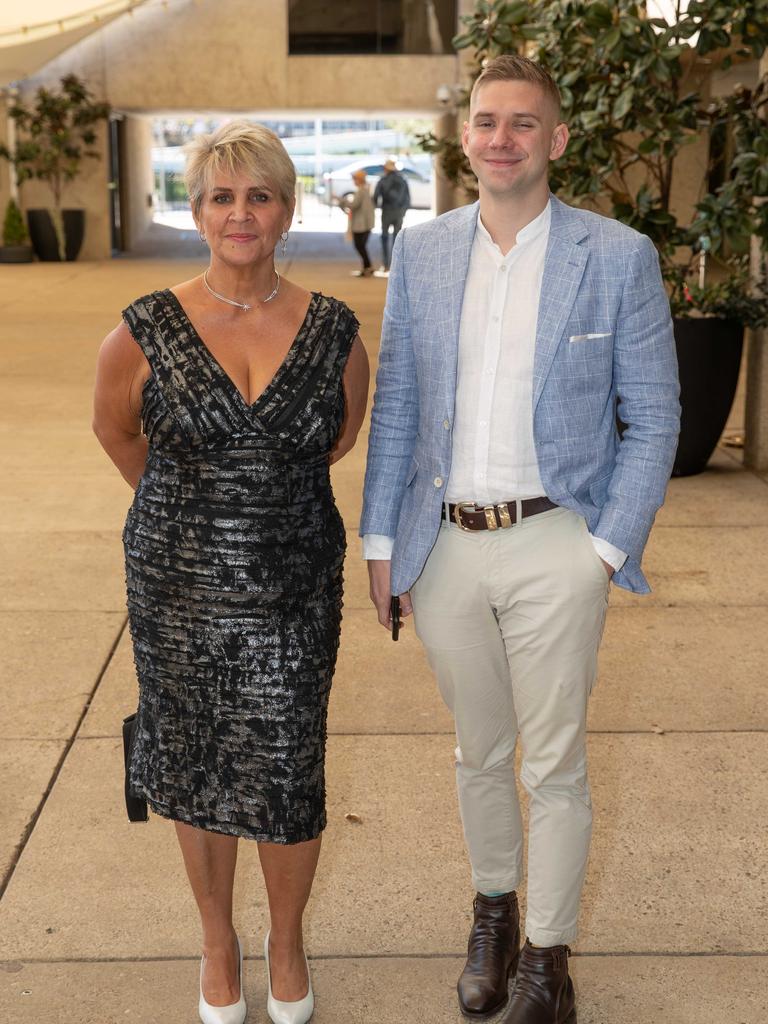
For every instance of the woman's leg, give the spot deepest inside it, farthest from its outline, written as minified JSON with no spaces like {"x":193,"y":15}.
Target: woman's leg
{"x":361,"y":244}
{"x":210,"y":861}
{"x":288,"y":873}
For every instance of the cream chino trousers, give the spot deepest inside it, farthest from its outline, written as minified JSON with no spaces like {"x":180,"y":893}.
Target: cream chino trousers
{"x":511,"y":621}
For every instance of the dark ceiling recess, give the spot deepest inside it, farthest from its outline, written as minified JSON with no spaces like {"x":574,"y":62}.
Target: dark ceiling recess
{"x":371,"y":26}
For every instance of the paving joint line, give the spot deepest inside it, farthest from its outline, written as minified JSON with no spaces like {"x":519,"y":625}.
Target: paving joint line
{"x":330,"y":957}
{"x":760,"y":730}
{"x":590,"y":732}
{"x":61,"y":611}
{"x":650,"y":605}
{"x":647,"y":605}
{"x":21,"y":846}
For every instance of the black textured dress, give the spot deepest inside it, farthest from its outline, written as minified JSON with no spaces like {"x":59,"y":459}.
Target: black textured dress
{"x":234,"y":551}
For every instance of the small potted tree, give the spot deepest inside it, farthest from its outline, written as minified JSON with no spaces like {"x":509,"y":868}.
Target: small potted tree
{"x":15,"y":247}
{"x":56,"y":135}
{"x":636,"y":94}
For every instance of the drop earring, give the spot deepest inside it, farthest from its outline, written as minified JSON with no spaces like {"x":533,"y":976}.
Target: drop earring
{"x":284,"y":240}
{"x":202,"y":235}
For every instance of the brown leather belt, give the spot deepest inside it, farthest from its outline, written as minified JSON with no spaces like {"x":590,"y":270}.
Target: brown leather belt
{"x":468,"y":516}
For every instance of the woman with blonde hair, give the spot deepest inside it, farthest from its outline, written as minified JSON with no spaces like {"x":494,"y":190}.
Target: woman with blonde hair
{"x":223,"y":401}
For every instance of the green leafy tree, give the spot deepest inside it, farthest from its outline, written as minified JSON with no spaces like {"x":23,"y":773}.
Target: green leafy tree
{"x":56,"y":134}
{"x":634,"y":96}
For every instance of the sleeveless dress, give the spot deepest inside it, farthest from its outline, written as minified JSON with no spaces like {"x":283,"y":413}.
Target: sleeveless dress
{"x":234,"y":551}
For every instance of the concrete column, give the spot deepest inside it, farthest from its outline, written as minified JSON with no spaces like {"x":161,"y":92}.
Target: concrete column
{"x":137,"y":179}
{"x":756,"y":410}
{"x":8,"y":186}
{"x":446,"y":126}
{"x":756,"y":407}
{"x":449,"y":123}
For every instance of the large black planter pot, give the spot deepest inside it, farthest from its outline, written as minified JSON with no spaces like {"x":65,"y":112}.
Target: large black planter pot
{"x":15,"y":253}
{"x":43,"y":236}
{"x":709,"y":356}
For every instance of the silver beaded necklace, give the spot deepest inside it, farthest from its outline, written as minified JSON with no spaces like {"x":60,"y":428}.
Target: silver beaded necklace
{"x":245,"y":306}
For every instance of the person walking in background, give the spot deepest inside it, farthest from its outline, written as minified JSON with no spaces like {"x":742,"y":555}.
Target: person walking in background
{"x":223,"y":401}
{"x":500,"y":500}
{"x":361,"y":219}
{"x":393,"y":196}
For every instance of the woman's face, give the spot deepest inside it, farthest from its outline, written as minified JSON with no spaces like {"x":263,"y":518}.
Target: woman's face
{"x":242,"y":222}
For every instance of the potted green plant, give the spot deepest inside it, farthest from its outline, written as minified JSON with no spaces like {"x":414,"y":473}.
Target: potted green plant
{"x":636,"y":94}
{"x":15,"y":247}
{"x":55,"y":136}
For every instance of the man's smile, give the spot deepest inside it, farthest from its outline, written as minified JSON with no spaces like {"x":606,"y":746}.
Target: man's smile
{"x":503,"y":161}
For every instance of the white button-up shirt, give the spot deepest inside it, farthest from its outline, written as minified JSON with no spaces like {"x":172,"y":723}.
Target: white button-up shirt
{"x":494,"y":457}
{"x":493,"y":452}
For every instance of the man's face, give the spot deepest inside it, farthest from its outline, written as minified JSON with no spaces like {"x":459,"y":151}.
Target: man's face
{"x":512,"y":134}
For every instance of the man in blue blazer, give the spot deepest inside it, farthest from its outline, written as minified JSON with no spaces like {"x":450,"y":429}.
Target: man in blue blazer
{"x":500,"y":500}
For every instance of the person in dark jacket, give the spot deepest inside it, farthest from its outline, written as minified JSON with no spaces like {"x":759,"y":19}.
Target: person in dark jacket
{"x":394,"y":198}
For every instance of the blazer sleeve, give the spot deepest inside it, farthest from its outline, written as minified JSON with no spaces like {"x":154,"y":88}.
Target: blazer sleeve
{"x":646,"y":382}
{"x":395,"y":415}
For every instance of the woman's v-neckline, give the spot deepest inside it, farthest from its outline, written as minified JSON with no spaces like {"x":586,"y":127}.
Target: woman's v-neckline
{"x":287,"y":359}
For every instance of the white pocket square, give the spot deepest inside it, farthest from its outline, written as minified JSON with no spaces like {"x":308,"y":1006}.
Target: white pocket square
{"x":588,"y":337}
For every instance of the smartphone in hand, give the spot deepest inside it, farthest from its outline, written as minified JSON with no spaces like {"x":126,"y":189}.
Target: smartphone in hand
{"x":394,"y":611}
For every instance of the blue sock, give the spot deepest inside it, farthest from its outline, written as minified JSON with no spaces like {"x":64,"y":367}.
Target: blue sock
{"x":493,"y":894}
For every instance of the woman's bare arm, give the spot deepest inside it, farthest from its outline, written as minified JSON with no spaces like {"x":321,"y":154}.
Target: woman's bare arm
{"x":356,"y":380}
{"x":121,"y":372}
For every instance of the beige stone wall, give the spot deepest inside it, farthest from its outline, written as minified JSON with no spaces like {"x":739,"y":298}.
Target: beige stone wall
{"x":370,"y":84}
{"x":230,"y":55}
{"x":233,"y":56}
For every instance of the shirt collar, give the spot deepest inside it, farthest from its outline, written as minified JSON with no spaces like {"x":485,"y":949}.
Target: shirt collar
{"x":533,"y":229}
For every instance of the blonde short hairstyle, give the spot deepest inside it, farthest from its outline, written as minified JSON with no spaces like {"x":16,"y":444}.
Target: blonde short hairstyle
{"x":234,"y":148}
{"x":511,"y":67}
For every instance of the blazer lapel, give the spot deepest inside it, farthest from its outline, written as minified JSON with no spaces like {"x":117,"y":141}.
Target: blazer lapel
{"x":454,"y":251}
{"x":564,"y":265}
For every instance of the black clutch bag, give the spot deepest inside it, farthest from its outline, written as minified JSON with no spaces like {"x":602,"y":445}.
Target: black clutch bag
{"x":136,"y":806}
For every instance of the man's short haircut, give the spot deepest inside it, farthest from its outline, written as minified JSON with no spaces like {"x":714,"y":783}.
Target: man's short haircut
{"x":511,"y":67}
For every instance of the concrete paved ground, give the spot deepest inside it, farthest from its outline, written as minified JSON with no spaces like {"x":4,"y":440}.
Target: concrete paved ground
{"x":96,"y":924}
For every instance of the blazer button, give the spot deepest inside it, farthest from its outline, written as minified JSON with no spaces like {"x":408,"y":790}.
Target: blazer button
{"x":438,"y":481}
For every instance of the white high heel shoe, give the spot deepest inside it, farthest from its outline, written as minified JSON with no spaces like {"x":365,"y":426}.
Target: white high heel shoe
{"x":233,"y":1013}
{"x":298,"y":1011}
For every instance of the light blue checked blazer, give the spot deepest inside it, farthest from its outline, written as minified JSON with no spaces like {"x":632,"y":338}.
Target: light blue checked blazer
{"x":604,"y":344}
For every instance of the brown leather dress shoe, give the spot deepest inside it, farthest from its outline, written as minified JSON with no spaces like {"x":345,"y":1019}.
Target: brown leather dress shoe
{"x":543,"y":992}
{"x":492,"y":954}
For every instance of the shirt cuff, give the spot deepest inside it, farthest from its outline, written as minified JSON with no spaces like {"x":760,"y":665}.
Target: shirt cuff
{"x":614,"y":556}
{"x":376,"y":545}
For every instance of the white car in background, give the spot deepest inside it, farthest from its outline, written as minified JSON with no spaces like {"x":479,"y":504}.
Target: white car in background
{"x":339,"y":185}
